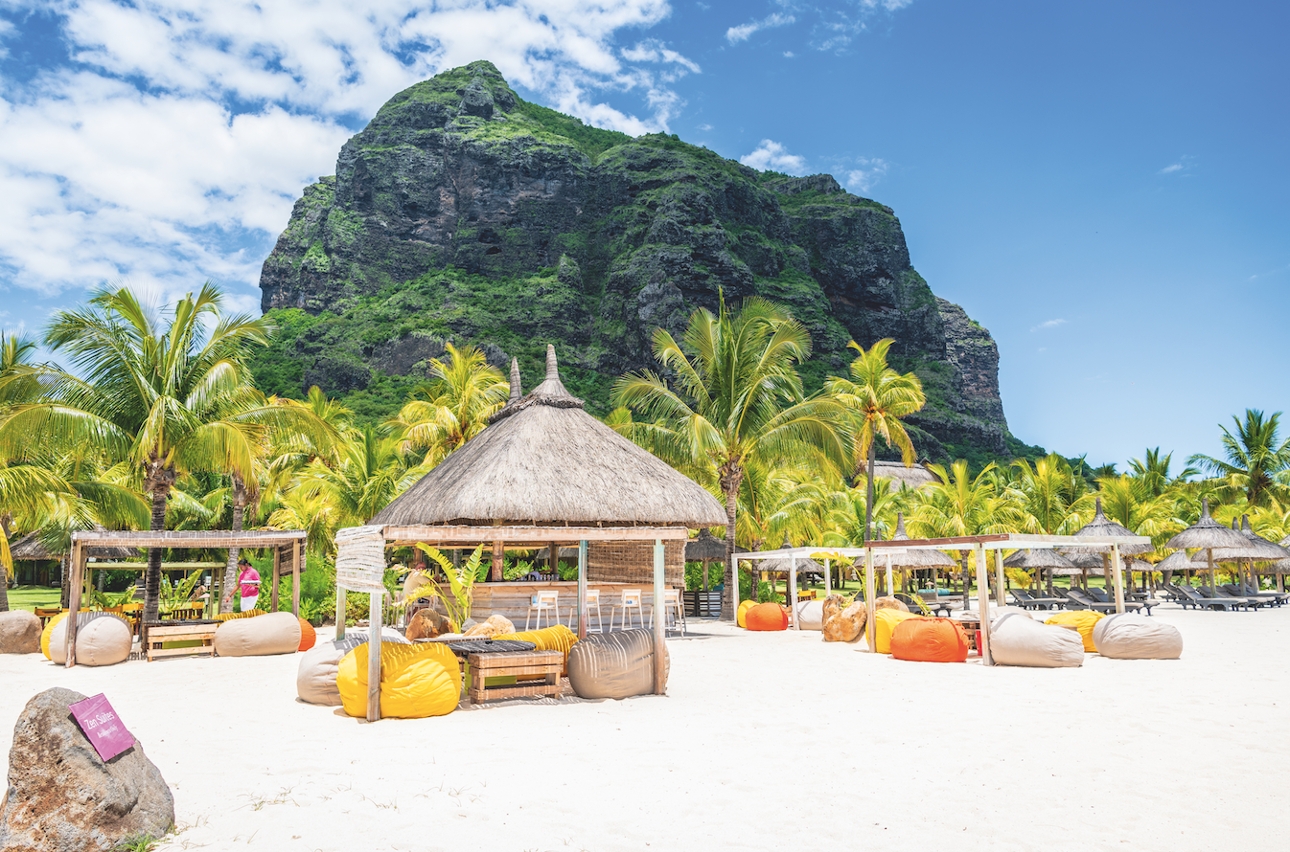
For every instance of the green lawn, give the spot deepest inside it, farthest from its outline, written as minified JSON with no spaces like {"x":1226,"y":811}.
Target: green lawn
{"x":30,"y":597}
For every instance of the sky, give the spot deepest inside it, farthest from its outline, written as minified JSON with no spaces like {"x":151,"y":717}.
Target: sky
{"x":1103,"y":185}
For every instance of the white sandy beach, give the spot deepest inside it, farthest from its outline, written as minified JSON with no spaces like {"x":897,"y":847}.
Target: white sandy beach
{"x":764,"y":741}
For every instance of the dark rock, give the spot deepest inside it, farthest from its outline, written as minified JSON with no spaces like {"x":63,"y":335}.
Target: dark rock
{"x":63,"y":798}
{"x":461,"y":212}
{"x":19,"y":632}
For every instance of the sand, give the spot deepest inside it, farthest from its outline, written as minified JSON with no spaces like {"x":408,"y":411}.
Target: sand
{"x":765,"y":741}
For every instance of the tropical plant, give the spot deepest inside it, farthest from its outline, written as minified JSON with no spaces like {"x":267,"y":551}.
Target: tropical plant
{"x":454,"y":406}
{"x":959,"y":504}
{"x":371,"y":472}
{"x":461,"y":583}
{"x":1154,"y":471}
{"x":735,"y":399}
{"x":878,"y":397}
{"x":1047,"y":492}
{"x":1257,"y":462}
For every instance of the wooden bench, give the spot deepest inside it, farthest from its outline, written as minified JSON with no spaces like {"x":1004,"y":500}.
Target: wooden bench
{"x":161,"y":633}
{"x":546,"y":665}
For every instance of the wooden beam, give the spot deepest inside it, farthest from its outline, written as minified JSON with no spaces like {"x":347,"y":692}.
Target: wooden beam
{"x":297,"y":560}
{"x":463,"y":536}
{"x":374,"y":616}
{"x":221,"y":539}
{"x":277,"y":574}
{"x":495,"y":568}
{"x":74,"y":601}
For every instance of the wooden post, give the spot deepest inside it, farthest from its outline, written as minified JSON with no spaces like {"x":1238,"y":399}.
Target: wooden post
{"x":74,"y":601}
{"x":1119,"y":578}
{"x":495,"y":572}
{"x":340,"y":612}
{"x":376,"y":600}
{"x":660,"y":619}
{"x":297,"y":566}
{"x":553,"y":560}
{"x":983,"y":604}
{"x":792,"y":589}
{"x":582,"y":590}
{"x":828,"y":578}
{"x":869,"y":631}
{"x":891,"y":591}
{"x":277,"y":575}
{"x":1000,"y":592}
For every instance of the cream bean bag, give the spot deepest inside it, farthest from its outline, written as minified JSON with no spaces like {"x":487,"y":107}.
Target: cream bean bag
{"x":810,"y":615}
{"x":1019,"y":641}
{"x":274,"y":633}
{"x":998,"y":612}
{"x":1081,"y":620}
{"x":19,"y":632}
{"x":96,"y":644}
{"x":1129,"y":636}
{"x":316,"y":677}
{"x":615,"y":665}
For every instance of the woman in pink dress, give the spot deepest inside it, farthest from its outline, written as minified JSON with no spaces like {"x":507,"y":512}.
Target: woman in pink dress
{"x":248,"y":582}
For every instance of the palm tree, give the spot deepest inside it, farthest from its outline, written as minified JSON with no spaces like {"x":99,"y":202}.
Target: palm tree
{"x":736,"y":400}
{"x":1154,"y":471}
{"x":1047,"y":493}
{"x":454,"y":406}
{"x":1258,"y":461}
{"x":371,"y":472}
{"x":168,"y":394}
{"x":879,"y":397}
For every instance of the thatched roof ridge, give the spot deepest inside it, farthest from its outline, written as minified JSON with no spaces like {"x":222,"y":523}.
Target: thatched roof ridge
{"x":1085,"y":559}
{"x":1207,"y":533}
{"x":544,"y":460}
{"x":1101,"y":525}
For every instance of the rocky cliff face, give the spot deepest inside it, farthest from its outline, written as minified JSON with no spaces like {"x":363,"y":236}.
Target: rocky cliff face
{"x":462,"y":212}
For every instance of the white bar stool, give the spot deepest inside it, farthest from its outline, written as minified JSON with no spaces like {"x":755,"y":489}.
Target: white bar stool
{"x":631,"y":600}
{"x":548,"y":602}
{"x":593,"y":603}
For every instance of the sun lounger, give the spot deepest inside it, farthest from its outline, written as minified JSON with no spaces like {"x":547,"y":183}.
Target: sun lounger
{"x":922,"y":604}
{"x":1080,"y":600}
{"x":1219,"y":594}
{"x":1244,"y":591}
{"x":933,"y":601}
{"x":1028,"y":601}
{"x":1189,"y":594}
{"x":1130,"y":603}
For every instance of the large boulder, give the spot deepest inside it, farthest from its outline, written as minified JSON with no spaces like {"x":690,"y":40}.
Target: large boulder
{"x":428,"y":624}
{"x":494,"y":625}
{"x":62,"y":797}
{"x":842,"y":624}
{"x":889,"y":602}
{"x":19,"y":632}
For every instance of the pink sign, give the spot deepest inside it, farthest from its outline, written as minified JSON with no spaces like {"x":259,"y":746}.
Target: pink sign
{"x":102,"y":726}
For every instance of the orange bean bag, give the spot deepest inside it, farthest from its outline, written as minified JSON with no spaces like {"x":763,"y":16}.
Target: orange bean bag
{"x":307,"y":636}
{"x":767,"y":616}
{"x":885,"y":622}
{"x":930,"y":640}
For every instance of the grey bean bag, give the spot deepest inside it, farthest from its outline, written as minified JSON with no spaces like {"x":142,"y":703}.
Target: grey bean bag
{"x":810,"y":615}
{"x":102,"y":639}
{"x":614,"y":665}
{"x":1129,"y":636}
{"x":19,"y":632}
{"x":316,"y":677}
{"x":1016,"y":640}
{"x":275,"y":633}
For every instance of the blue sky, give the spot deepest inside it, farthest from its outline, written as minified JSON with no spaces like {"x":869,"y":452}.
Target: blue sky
{"x":1102,"y":185}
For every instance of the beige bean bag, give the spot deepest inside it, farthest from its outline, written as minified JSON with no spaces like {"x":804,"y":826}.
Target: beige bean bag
{"x":998,"y":612}
{"x":316,"y":677}
{"x":274,"y":633}
{"x":615,"y":665}
{"x":19,"y":632}
{"x":1019,"y":641}
{"x":810,"y":615}
{"x":1130,"y":636}
{"x":96,"y":644}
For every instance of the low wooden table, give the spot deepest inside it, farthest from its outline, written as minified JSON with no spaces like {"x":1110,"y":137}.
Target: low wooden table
{"x":159,"y":633}
{"x":547,"y":664}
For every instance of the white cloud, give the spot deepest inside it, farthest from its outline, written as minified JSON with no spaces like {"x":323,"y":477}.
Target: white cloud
{"x":734,"y":35}
{"x":846,"y":21}
{"x":788,"y":54}
{"x":1184,"y":164}
{"x":1168,"y":170}
{"x":1052,"y":323}
{"x":772,"y":156}
{"x":866,"y":174}
{"x":173,"y":149}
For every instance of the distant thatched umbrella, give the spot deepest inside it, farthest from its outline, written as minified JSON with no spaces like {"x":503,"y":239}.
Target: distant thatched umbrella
{"x":706,"y":548}
{"x":1083,"y":561}
{"x":1256,"y":549}
{"x":1044,"y":558}
{"x":1208,"y":535}
{"x":1101,"y":525}
{"x":916,"y":560}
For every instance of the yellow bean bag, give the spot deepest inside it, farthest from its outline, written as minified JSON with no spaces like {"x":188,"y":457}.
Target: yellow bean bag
{"x":885,"y":621}
{"x":230,"y":616}
{"x":741,"y":616}
{"x":416,"y":681}
{"x":1082,"y":620}
{"x":557,"y":638}
{"x":48,"y":632}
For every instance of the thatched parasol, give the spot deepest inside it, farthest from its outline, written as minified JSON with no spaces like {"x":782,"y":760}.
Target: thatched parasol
{"x":916,"y":559}
{"x":1044,"y":558}
{"x":706,"y":548}
{"x":1101,"y":525}
{"x":1256,"y":549}
{"x":1208,"y":535}
{"x":544,"y":460}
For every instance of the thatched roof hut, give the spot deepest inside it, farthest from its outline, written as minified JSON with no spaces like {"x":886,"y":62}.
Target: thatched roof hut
{"x":30,"y":547}
{"x":1101,"y":525}
{"x":912,"y":477}
{"x":543,"y":460}
{"x":1180,"y":561}
{"x":1207,"y":534}
{"x":1042,"y":559}
{"x":1256,"y":549}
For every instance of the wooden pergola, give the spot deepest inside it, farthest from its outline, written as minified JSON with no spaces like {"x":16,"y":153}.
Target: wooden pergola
{"x":288,"y":543}
{"x":979,"y":544}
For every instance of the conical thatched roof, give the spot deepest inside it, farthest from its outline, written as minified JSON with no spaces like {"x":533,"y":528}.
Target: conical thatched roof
{"x":1180,"y":561}
{"x":1084,"y":559}
{"x":1206,"y":533}
{"x":914,"y":476}
{"x":544,"y":460}
{"x":706,"y":546}
{"x":1102,"y":525}
{"x":1044,"y":558}
{"x":913,"y":559}
{"x":783,"y":564}
{"x":1256,"y":549}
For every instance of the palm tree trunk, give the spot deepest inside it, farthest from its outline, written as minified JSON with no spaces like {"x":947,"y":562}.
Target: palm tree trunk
{"x":868,"y":500}
{"x":4,"y":590}
{"x":730,"y":601}
{"x":152,"y":579}
{"x":64,"y":567}
{"x":230,"y":569}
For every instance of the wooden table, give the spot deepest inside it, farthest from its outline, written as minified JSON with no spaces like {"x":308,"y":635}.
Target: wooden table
{"x":545,"y":665}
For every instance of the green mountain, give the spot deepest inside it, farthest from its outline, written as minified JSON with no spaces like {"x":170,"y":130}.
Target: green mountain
{"x":464,"y":213}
